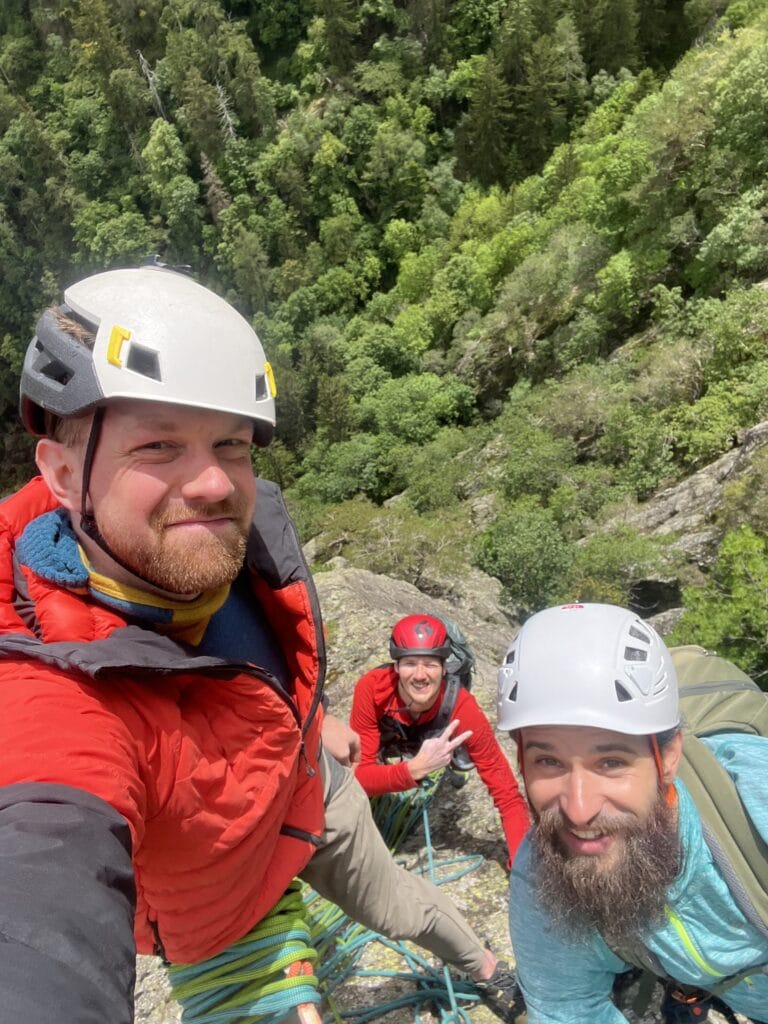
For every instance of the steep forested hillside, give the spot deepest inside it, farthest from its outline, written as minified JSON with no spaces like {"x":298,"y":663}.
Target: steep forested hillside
{"x":505,"y":256}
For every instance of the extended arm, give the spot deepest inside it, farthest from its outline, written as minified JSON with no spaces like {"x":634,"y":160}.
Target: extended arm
{"x":66,"y":916}
{"x":377,"y":778}
{"x":374,"y":777}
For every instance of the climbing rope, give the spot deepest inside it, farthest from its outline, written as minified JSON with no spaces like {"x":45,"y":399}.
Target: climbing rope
{"x":397,"y":814}
{"x":306,"y":948}
{"x":263,"y":977}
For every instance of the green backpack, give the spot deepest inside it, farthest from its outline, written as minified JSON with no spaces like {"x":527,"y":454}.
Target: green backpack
{"x":717,"y":697}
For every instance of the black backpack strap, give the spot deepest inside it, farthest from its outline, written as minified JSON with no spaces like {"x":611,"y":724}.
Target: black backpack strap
{"x":737,"y":847}
{"x":638,"y":955}
{"x":445,"y":714}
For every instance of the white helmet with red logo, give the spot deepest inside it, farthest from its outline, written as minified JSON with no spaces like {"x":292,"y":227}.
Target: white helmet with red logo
{"x":588,"y":664}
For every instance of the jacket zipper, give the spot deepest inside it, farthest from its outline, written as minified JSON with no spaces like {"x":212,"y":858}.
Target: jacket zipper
{"x":689,"y":945}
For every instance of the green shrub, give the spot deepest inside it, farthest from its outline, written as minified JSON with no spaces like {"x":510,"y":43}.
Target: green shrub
{"x":525,"y":549}
{"x":437,"y":470}
{"x":705,"y":430}
{"x":745,"y":500}
{"x":369,"y":464}
{"x":582,"y":491}
{"x":397,"y":541}
{"x":414,"y":408}
{"x":536,"y":461}
{"x":637,"y":443}
{"x":730,"y":612}
{"x":606,"y":565}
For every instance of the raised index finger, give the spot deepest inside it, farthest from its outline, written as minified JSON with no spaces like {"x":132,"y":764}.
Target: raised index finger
{"x":450,"y":729}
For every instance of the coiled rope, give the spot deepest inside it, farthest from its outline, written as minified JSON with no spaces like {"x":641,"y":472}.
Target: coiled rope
{"x":397,"y":814}
{"x":306,"y":948}
{"x":263,"y":977}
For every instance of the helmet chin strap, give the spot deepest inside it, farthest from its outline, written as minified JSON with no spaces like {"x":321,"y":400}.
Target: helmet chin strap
{"x":88,"y":522}
{"x":667,"y":788}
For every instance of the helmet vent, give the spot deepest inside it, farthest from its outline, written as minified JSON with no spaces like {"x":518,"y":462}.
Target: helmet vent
{"x":57,"y":371}
{"x":635,"y":654}
{"x":262,"y":388}
{"x":510,"y":658}
{"x":639,"y":634}
{"x":143,"y":361}
{"x":622,"y":694}
{"x":512,"y":694}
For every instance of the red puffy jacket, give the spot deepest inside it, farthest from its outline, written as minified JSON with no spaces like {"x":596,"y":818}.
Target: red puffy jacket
{"x":212,"y":766}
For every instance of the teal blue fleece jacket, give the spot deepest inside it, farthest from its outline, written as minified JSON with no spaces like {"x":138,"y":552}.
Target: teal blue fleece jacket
{"x":704,"y":938}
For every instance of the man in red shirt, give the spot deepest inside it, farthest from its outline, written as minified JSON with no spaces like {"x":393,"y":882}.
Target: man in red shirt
{"x":396,"y":711}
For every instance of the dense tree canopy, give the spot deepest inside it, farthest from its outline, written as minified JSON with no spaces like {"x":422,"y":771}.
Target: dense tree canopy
{"x":505,"y":255}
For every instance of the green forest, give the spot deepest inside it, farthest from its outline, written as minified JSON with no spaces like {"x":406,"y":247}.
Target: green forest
{"x":506,"y":257}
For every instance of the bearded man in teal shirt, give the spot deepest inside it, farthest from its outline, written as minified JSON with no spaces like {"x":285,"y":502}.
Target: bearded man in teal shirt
{"x":616,"y":858}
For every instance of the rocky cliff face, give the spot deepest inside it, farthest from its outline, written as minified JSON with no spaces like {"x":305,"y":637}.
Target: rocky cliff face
{"x":689,"y":517}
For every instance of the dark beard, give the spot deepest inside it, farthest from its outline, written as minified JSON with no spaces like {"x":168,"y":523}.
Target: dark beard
{"x":620,"y":901}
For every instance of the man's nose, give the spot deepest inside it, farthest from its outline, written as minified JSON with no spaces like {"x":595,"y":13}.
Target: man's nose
{"x":206,"y":481}
{"x":580,"y":798}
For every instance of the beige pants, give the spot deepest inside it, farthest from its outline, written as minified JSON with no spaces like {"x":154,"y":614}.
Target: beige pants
{"x":354,"y":869}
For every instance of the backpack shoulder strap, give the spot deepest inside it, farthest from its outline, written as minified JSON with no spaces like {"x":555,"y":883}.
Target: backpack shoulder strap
{"x":738,"y":849}
{"x":444,"y":715}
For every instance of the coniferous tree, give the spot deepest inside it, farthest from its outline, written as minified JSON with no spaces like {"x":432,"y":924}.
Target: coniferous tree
{"x":428,"y":18}
{"x":340,"y":19}
{"x":616,"y":44}
{"x":572,"y":73}
{"x":608,"y":30}
{"x":484,"y":140}
{"x":517,"y":33}
{"x":542,"y":117}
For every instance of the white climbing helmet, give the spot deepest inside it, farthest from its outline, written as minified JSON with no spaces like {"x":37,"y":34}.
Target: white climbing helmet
{"x":588,"y":664}
{"x":161,"y":337}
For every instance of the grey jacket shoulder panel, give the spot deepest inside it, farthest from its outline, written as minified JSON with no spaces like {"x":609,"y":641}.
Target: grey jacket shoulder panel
{"x":67,"y":935}
{"x":274,"y":549}
{"x":129,"y":647}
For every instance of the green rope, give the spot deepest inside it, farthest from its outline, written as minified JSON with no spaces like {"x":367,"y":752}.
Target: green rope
{"x":397,"y":814}
{"x":247,"y":982}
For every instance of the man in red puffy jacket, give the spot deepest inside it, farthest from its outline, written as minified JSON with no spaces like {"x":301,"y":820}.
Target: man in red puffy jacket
{"x":162,"y":772}
{"x":412,"y":721}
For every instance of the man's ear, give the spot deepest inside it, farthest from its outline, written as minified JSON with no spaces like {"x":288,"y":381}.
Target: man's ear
{"x":62,"y":470}
{"x":670,"y":757}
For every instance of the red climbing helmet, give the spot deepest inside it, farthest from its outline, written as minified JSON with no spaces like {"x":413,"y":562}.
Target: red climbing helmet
{"x":419,"y":634}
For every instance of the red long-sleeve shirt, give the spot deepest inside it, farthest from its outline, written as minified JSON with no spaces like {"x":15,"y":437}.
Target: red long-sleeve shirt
{"x":376,"y":695}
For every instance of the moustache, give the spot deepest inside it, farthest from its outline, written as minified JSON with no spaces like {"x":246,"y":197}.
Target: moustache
{"x":552,"y":821}
{"x":230,"y":508}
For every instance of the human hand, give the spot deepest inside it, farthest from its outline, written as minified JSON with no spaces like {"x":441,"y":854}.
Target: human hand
{"x":436,"y":752}
{"x":341,"y":741}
